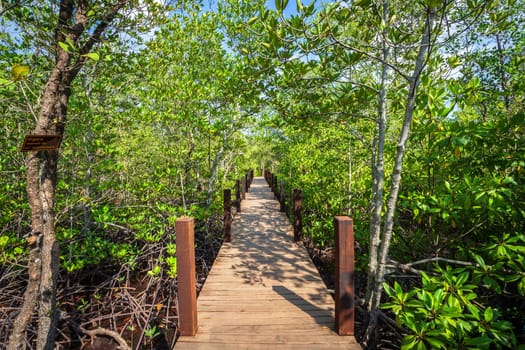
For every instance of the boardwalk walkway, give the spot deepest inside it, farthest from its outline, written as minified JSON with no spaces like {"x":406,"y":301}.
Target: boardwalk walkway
{"x":263,"y":291}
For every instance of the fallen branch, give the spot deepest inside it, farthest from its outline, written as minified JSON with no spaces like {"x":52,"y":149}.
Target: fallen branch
{"x":438,"y":259}
{"x":123,"y":345}
{"x":403,"y":267}
{"x":108,"y":333}
{"x":408,"y":268}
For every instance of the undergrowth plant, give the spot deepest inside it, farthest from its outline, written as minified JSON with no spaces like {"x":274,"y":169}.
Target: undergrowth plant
{"x":446,"y":312}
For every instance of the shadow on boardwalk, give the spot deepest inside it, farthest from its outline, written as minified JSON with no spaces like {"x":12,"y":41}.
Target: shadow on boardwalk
{"x":263,"y":290}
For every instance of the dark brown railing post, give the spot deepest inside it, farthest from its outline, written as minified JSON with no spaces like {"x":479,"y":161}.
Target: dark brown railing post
{"x":243,"y":189}
{"x":187,"y":291}
{"x":282,"y":199}
{"x":247,"y":181}
{"x":344,"y":275}
{"x":227,"y":219}
{"x":275,"y":187}
{"x":270,"y":182}
{"x":238,"y":195}
{"x":290,"y":208}
{"x":297,"y":218}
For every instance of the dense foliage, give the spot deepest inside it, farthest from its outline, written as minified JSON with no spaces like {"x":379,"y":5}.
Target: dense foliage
{"x":407,"y":116}
{"x":343,"y":96}
{"x":153,"y":133}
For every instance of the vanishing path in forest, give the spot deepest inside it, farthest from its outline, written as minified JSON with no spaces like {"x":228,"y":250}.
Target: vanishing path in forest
{"x":263,"y":291}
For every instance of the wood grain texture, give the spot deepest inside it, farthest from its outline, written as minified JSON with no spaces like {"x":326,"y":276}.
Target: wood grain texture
{"x":263,"y":291}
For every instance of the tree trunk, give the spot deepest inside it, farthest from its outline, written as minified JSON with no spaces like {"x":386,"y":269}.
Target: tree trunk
{"x":378,"y":172}
{"x":41,"y":174}
{"x":212,"y":181}
{"x":502,"y":74}
{"x":424,"y":50}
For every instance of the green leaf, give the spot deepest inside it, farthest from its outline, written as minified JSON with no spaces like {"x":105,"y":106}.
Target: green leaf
{"x":427,"y":299}
{"x":425,"y":279}
{"x":479,"y":260}
{"x":63,"y":46}
{"x":388,"y":289}
{"x":93,"y":55}
{"x":3,"y":241}
{"x":4,"y":82}
{"x":521,"y":286}
{"x":438,"y":296}
{"x":462,"y":278}
{"x":252,"y":20}
{"x":279,"y":5}
{"x":70,"y":43}
{"x":436,"y":343}
{"x":488,"y":315}
{"x":454,"y":61}
{"x":408,"y":342}
{"x":479,"y":342}
{"x":309,"y":10}
{"x":398,"y":288}
{"x":20,"y":72}
{"x":474,"y":310}
{"x":421,"y":346}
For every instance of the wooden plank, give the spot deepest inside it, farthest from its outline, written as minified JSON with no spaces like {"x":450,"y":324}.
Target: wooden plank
{"x":265,"y":329}
{"x":253,"y":346}
{"x":297,"y":339}
{"x":256,"y":305}
{"x":216,"y":321}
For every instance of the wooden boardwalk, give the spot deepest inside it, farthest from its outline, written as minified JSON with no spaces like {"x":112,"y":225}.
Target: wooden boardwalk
{"x":263,"y":291}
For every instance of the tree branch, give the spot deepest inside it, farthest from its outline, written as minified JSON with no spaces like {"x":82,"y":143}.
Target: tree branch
{"x":375,"y":58}
{"x":123,"y":345}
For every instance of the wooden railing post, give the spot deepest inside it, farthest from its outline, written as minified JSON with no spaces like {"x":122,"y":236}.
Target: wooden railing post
{"x":344,"y":275}
{"x":243,"y":189}
{"x":186,"y":280}
{"x":227,"y":219}
{"x":238,"y":195}
{"x":247,"y":181}
{"x":275,"y":187}
{"x":282,"y":200}
{"x":297,"y":218}
{"x":290,"y":208}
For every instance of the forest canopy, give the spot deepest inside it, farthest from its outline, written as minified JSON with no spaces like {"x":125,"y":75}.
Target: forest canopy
{"x":406,"y":116}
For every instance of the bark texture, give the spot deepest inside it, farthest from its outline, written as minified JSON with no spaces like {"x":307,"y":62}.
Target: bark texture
{"x":42,"y":174}
{"x":376,"y":287}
